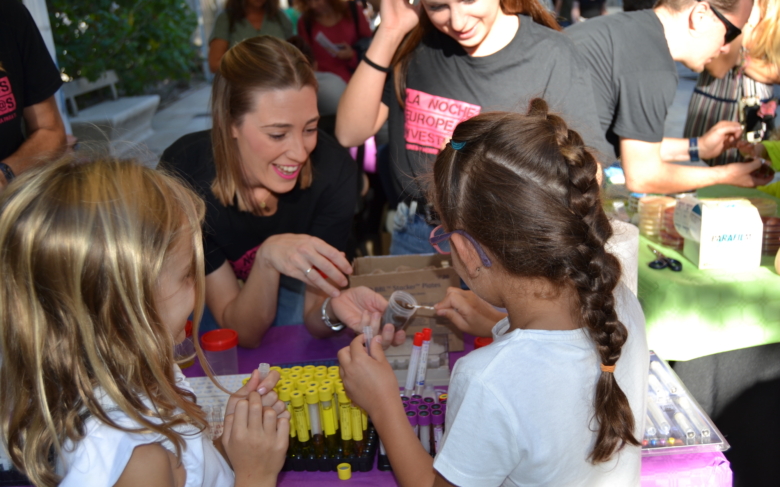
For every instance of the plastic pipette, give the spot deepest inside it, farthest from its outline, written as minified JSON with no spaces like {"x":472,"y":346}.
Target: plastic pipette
{"x":368,"y":333}
{"x":422,"y":368}
{"x":684,"y":425}
{"x":664,"y":376}
{"x":686,"y":406}
{"x":658,"y":416}
{"x":414,"y":362}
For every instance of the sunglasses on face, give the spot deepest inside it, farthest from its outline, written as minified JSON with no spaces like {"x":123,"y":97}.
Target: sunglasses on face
{"x":732,"y":32}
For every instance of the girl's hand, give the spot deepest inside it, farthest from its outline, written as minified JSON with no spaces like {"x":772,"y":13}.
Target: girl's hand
{"x":264,"y":388}
{"x":468,"y":312}
{"x":345,"y":53}
{"x":256,"y":440}
{"x":354,"y":302}
{"x":399,"y":16}
{"x":369,"y":381}
{"x":293,"y":255}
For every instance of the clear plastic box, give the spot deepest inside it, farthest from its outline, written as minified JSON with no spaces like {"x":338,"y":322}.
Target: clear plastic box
{"x":674,"y":422}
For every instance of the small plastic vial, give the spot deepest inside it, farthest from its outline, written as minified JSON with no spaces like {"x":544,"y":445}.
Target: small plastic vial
{"x":397,"y":314}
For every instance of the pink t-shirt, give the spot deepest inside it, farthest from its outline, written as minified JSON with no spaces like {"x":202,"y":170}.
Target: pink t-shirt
{"x":341,"y":32}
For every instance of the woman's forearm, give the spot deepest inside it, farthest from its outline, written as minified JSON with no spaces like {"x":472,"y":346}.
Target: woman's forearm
{"x":359,"y":113}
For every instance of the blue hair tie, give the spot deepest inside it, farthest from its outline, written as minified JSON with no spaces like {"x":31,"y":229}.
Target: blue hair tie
{"x":457,"y":145}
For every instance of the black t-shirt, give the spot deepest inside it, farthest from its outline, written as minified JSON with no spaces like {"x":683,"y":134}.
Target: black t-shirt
{"x":324,"y":209}
{"x":634,"y":75}
{"x":445,"y":86}
{"x":27,"y":73}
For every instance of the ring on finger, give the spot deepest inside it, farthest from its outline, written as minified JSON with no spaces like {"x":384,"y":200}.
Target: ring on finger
{"x":308,"y":270}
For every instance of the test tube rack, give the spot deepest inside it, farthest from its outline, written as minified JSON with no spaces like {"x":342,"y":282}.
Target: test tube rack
{"x":362,"y":462}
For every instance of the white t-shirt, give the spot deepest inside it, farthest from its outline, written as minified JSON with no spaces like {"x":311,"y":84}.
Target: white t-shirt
{"x":520,"y":410}
{"x":100,"y":458}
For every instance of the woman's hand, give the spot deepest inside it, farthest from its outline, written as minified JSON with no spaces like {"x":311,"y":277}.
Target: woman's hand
{"x":297,"y":256}
{"x":350,"y":306}
{"x":256,"y":434}
{"x":345,"y":52}
{"x":741,"y":174}
{"x":369,"y":381}
{"x":468,"y":312}
{"x":399,"y":16}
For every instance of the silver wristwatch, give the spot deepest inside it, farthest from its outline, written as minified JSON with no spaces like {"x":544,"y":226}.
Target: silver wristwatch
{"x":326,"y":319}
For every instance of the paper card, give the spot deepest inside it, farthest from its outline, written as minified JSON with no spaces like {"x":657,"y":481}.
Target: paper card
{"x":329,"y":46}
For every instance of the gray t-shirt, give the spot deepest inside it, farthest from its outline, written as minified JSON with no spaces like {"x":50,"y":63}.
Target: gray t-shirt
{"x":634,"y":75}
{"x":446,"y":86}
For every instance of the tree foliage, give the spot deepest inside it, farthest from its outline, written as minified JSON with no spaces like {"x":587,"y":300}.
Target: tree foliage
{"x":144,"y":41}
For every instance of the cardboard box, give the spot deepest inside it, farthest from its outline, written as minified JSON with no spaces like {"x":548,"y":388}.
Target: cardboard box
{"x":720,"y":233}
{"x":420,"y":275}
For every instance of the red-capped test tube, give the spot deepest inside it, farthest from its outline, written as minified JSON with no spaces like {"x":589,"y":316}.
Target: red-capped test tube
{"x":422,"y":368}
{"x":414,"y":362}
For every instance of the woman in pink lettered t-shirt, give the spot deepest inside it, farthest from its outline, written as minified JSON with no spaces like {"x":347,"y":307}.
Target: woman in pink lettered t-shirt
{"x":329,"y":28}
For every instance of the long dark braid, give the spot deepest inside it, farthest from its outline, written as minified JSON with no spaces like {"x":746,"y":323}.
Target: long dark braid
{"x":554,"y":214}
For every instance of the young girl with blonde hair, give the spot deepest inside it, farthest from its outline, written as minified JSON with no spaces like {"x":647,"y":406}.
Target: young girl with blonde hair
{"x":558,"y":398}
{"x":102,"y":263}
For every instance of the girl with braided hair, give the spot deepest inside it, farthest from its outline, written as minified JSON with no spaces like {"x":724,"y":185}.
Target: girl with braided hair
{"x":557,"y":399}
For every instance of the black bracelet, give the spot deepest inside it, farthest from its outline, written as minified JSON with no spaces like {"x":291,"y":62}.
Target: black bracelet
{"x":376,"y":66}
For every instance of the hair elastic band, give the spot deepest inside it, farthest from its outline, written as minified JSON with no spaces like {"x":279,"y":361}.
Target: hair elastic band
{"x":457,"y":145}
{"x":607,"y":368}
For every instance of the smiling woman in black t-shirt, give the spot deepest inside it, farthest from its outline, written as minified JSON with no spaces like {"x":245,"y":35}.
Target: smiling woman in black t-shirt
{"x":279,"y":199}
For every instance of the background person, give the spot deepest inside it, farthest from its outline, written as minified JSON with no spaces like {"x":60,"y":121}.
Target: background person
{"x":450,"y":60}
{"x":328,"y":23}
{"x":243,"y":19}
{"x":28,"y":81}
{"x":280,"y":198}
{"x":748,"y":69}
{"x":631,"y":56}
{"x":551,"y":408}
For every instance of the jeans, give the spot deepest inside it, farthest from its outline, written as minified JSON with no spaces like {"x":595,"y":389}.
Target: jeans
{"x":410,"y":233}
{"x":289,"y":306}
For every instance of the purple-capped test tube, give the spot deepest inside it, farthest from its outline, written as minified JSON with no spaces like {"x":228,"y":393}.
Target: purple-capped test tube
{"x":436,"y":407}
{"x":406,"y":405}
{"x":414,"y":402}
{"x":422,"y":407}
{"x":405,"y":398}
{"x":417,"y":397}
{"x":437,"y":420}
{"x":412,"y":416}
{"x":424,"y":420}
{"x":429,"y":400}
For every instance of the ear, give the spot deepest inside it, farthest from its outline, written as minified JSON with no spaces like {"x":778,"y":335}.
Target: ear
{"x":467,"y":254}
{"x":234,"y":131}
{"x":698,"y":18}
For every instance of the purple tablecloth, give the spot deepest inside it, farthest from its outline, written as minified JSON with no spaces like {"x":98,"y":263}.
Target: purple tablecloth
{"x":293,"y":344}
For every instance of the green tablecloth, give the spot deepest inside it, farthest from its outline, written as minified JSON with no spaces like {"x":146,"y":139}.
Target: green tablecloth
{"x":695,"y":312}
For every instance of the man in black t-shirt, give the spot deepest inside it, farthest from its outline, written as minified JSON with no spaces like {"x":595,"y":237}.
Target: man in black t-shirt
{"x":28,"y":81}
{"x":631,"y":56}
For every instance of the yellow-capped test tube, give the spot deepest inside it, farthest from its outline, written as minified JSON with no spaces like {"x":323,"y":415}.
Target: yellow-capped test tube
{"x":307,"y":376}
{"x":296,"y":399}
{"x":320,"y":376}
{"x":293,"y":376}
{"x":309,"y":369}
{"x":301,"y":385}
{"x":284,"y":396}
{"x":297,"y":369}
{"x":321,"y":368}
{"x":328,"y":416}
{"x":333,"y":369}
{"x":357,"y":428}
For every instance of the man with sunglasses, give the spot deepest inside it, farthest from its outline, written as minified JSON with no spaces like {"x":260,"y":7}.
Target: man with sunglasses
{"x":631,"y":56}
